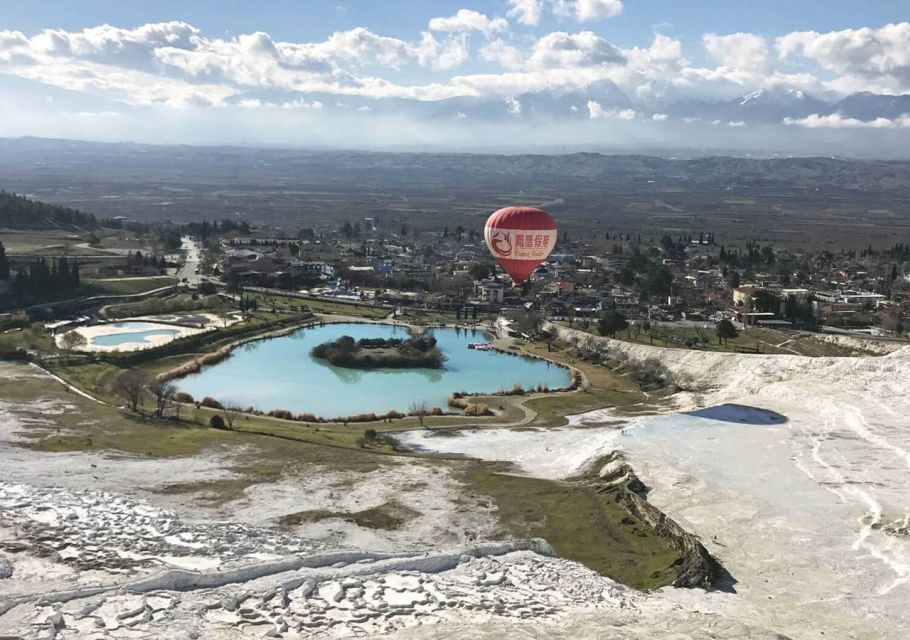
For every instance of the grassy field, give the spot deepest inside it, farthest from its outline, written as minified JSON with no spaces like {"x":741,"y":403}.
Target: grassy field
{"x":34,"y":337}
{"x":71,"y":243}
{"x":605,"y":388}
{"x":285,"y":303}
{"x":752,"y":340}
{"x":580,"y":522}
{"x":675,"y":337}
{"x":129,"y":286}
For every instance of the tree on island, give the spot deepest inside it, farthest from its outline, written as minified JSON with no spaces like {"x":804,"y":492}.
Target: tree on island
{"x":611,"y":323}
{"x":420,"y":409}
{"x":725,"y":331}
{"x":373,"y":353}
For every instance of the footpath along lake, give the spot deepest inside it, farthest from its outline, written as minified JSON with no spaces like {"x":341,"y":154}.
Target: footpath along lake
{"x":280,"y":373}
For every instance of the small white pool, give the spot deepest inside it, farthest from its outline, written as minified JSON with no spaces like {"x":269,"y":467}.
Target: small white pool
{"x":133,"y":332}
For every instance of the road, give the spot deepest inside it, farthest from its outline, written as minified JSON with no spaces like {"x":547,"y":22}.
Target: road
{"x":193,"y":256}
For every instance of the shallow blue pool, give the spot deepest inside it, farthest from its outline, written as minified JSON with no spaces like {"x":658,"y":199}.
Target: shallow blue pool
{"x":132,"y":332}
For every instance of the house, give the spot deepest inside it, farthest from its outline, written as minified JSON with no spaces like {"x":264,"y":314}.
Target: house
{"x":799,"y":294}
{"x":617,"y":262}
{"x":299,"y":268}
{"x":861,"y":298}
{"x":745,"y":294}
{"x":491,"y":291}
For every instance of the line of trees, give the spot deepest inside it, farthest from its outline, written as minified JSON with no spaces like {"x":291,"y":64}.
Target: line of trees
{"x":19,"y":212}
{"x":134,"y":386}
{"x":206,"y":229}
{"x":4,"y":263}
{"x":138,"y":261}
{"x":42,"y":277}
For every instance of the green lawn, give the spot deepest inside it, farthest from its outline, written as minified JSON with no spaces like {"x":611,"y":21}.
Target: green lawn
{"x":129,"y":286}
{"x":675,"y":337}
{"x":31,"y":338}
{"x":582,"y":523}
{"x":281,"y":302}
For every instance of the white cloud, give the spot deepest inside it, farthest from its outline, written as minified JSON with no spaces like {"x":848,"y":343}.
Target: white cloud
{"x":838,"y":121}
{"x":585,"y":10}
{"x":584,"y":49}
{"x":526,"y":12}
{"x":12,"y":39}
{"x":503,"y":54}
{"x":739,"y":51}
{"x":453,"y":54}
{"x":364,"y":47}
{"x":597,"y":9}
{"x":660,"y":117}
{"x":467,"y":20}
{"x":514,"y":106}
{"x":736,"y":123}
{"x":174,"y":63}
{"x":596,"y":111}
{"x":865,"y":58}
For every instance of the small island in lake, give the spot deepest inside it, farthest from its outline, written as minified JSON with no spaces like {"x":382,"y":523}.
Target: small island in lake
{"x":382,"y":353}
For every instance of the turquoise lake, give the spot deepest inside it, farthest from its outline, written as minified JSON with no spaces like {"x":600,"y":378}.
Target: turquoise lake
{"x":279,"y":373}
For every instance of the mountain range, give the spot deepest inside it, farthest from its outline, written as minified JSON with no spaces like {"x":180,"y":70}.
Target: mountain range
{"x":765,"y":106}
{"x":760,"y":107}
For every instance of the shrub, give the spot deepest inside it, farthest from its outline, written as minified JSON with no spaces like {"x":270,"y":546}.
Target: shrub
{"x":217,"y":422}
{"x":649,"y":373}
{"x":393,"y":415}
{"x":477,"y":409}
{"x":8,"y":353}
{"x":359,"y":417}
{"x":436,"y":411}
{"x":211,"y":403}
{"x":183,"y":396}
{"x":307,"y":417}
{"x":369,"y":434}
{"x":283,"y":414}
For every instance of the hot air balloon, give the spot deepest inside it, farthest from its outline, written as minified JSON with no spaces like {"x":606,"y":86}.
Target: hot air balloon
{"x":520,"y":238}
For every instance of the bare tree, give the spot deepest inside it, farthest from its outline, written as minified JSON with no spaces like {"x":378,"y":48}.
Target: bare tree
{"x":230,"y":412}
{"x":72,"y":340}
{"x":163,"y":391}
{"x":129,"y":385}
{"x":420,"y":409}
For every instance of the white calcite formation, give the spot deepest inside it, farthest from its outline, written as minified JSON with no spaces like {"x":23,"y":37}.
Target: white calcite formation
{"x":116,"y":534}
{"x":255,"y":582}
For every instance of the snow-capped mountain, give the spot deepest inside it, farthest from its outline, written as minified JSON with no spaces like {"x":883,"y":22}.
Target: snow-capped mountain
{"x":869,"y":106}
{"x":762,"y":106}
{"x":765,"y":106}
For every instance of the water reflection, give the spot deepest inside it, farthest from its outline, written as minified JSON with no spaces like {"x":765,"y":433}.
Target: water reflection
{"x":351,"y":376}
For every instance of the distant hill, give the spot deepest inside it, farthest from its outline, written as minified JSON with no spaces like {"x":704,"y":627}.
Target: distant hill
{"x":19,"y":212}
{"x":792,"y":201}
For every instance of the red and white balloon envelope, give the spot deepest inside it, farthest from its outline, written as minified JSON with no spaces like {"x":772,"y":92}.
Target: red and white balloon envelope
{"x":520,"y":238}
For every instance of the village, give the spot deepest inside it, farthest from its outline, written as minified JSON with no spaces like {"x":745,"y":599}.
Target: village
{"x":674,"y":289}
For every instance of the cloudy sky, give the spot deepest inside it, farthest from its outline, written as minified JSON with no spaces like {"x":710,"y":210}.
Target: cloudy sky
{"x":373,"y":74}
